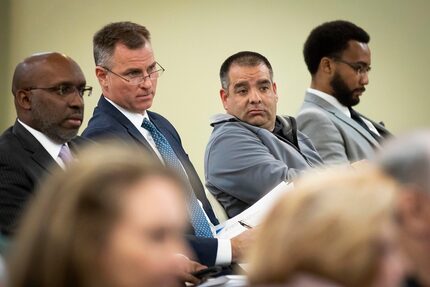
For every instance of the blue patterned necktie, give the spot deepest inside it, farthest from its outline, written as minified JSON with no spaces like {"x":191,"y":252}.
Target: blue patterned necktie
{"x":198,"y":218}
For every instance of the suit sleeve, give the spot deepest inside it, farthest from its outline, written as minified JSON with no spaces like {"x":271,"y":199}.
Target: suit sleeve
{"x":15,"y":186}
{"x":239,"y":164}
{"x":205,"y":249}
{"x":98,"y":133}
{"x":324,"y":135}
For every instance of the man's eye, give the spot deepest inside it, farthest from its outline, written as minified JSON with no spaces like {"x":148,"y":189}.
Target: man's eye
{"x":360,"y":68}
{"x":264,"y":88}
{"x":242,"y":92}
{"x":364,"y":69}
{"x":65,"y":89}
{"x":134,"y":74}
{"x":151,"y":69}
{"x":157,"y":235}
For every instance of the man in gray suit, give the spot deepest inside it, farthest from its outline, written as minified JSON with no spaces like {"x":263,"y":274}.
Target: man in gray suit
{"x":251,"y":149}
{"x":338,"y":57}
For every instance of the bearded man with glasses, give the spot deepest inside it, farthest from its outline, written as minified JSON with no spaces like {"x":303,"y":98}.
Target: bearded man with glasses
{"x":338,"y":57}
{"x":49,"y":90}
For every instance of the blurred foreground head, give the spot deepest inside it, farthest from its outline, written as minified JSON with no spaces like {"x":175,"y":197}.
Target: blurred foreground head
{"x":114,"y":218}
{"x":407,"y":159}
{"x":334,"y":227}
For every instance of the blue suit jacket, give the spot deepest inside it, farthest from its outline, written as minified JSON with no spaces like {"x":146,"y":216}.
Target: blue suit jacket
{"x":108,"y":122}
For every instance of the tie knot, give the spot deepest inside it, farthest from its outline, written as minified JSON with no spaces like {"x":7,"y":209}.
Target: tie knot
{"x":147,"y":125}
{"x":65,"y":155}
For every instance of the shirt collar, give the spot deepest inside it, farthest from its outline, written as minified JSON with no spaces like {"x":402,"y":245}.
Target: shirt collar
{"x":331,"y":100}
{"x":135,"y":118}
{"x":51,"y":147}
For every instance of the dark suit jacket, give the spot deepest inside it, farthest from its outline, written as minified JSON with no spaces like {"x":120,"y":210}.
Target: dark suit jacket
{"x":23,"y":163}
{"x":108,"y":122}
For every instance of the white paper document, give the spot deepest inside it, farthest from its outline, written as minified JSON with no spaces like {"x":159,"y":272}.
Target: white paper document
{"x":253,"y":215}
{"x":226,"y":281}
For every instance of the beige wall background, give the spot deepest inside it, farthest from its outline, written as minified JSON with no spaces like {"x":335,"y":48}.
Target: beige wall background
{"x":192,"y":38}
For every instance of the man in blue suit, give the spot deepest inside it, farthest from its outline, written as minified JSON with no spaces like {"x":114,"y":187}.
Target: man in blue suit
{"x":128,"y":74}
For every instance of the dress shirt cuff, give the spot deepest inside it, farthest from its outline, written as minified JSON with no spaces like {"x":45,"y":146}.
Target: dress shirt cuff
{"x":223,"y":256}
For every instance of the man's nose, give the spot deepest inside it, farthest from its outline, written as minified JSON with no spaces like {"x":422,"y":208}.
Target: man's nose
{"x":364,"y":79}
{"x":76,"y":100}
{"x":254,"y":96}
{"x":146,"y":83}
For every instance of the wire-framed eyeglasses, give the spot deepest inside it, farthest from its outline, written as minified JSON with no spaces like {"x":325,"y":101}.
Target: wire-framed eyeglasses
{"x":137,"y":77}
{"x":360,"y":69}
{"x":65,"y":90}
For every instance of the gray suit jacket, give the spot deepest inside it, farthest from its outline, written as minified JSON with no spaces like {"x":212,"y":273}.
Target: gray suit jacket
{"x":243,"y":162}
{"x":338,"y":138}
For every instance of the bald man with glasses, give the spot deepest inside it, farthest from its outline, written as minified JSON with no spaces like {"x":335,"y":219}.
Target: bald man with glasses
{"x":338,"y":57}
{"x":49,"y":90}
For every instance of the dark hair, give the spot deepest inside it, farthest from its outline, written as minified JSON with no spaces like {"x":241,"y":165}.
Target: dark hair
{"x":130,"y":34}
{"x":329,"y":40}
{"x":244,"y":58}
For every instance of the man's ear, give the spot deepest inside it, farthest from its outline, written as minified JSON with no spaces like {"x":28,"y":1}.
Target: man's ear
{"x":327,"y":65}
{"x":23,"y":99}
{"x":224,"y":95}
{"x":275,"y":90}
{"x":101,"y":75}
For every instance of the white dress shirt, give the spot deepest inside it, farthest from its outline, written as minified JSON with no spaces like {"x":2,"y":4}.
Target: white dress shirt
{"x":334,"y":102}
{"x":51,"y":147}
{"x":224,"y":255}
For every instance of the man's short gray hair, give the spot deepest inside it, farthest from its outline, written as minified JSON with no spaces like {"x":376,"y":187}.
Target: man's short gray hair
{"x":132,"y":35}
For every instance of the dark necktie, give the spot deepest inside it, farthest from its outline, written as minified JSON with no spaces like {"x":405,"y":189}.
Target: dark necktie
{"x":356,"y":117}
{"x":198,"y":218}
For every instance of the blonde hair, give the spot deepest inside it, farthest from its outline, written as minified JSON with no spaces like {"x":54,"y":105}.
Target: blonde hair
{"x":327,"y":226}
{"x":62,"y":234}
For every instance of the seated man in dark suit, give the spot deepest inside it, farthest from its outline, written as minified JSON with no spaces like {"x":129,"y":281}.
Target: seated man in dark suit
{"x":48,"y":91}
{"x":128,"y":72}
{"x":338,"y":58}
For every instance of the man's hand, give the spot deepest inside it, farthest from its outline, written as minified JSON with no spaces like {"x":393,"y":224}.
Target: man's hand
{"x":185,"y":267}
{"x":240,"y":244}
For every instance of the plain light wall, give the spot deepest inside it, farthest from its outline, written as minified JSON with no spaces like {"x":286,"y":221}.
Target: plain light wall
{"x":5,"y":93}
{"x":192,"y":38}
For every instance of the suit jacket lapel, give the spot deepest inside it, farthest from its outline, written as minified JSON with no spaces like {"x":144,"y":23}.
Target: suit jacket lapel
{"x":172,"y":141}
{"x":108,"y":108}
{"x":379,"y":127}
{"x":193,"y":177}
{"x":77,"y":143}
{"x":31,"y":144}
{"x":341,"y":116}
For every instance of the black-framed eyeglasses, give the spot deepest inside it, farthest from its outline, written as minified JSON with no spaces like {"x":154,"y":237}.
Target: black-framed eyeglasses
{"x":360,"y":69}
{"x":136,"y":78}
{"x":65,"y":90}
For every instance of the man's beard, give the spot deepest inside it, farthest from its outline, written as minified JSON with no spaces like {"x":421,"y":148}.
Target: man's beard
{"x":49,"y":125}
{"x":344,"y":94}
